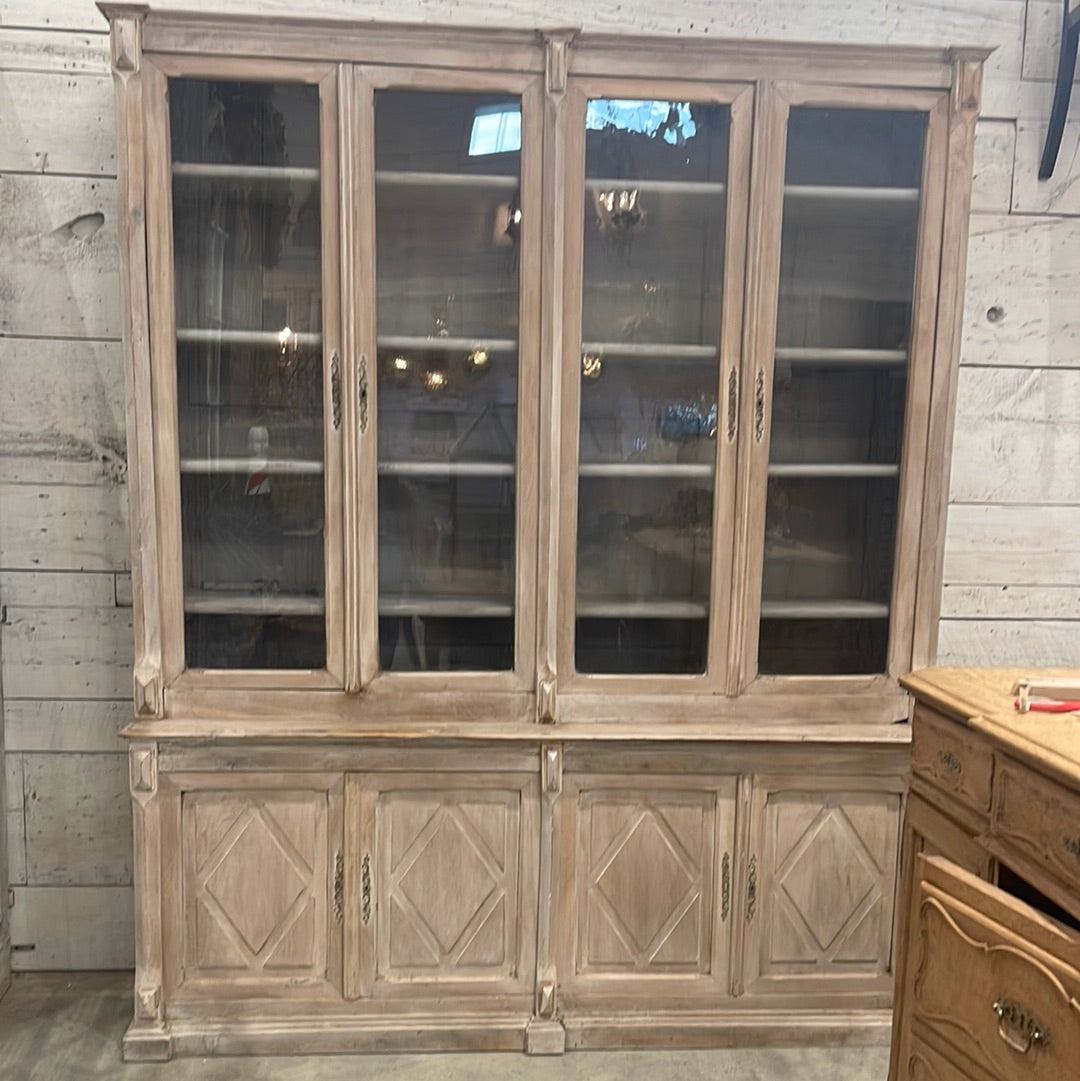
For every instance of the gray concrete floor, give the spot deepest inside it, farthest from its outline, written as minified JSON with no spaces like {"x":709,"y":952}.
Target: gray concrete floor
{"x":67,"y":1027}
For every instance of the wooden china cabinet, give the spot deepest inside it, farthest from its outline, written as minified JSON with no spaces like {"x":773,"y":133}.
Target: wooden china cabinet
{"x":539,"y":446}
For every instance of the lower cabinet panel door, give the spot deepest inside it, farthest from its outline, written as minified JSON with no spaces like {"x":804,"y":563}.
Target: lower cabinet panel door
{"x":442,"y":890}
{"x":251,"y":905}
{"x":820,"y":881}
{"x":644,"y":874}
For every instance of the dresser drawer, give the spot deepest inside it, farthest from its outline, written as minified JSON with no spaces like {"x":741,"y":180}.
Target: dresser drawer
{"x":992,"y":978}
{"x":1041,"y":819}
{"x":946,"y":755}
{"x":923,"y":1063}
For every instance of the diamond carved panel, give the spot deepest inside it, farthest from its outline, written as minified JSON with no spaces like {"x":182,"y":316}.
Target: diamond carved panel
{"x":833,"y":865}
{"x":449,"y":899}
{"x":252,"y":862}
{"x":645,"y":902}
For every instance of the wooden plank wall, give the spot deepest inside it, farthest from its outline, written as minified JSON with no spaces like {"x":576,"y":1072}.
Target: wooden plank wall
{"x":1012,"y":570}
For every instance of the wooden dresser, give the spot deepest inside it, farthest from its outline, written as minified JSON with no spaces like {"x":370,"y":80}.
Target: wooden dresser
{"x":988,"y":974}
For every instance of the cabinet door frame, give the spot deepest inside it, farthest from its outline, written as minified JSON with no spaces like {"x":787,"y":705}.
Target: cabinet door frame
{"x":177,"y":874}
{"x":739,"y":97}
{"x":716,"y":894}
{"x":360,"y":83}
{"x":157,"y":70}
{"x":760,"y":891}
{"x":367,"y":874}
{"x":921,"y":408}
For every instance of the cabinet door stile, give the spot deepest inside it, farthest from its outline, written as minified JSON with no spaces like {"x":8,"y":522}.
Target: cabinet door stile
{"x":840,"y":385}
{"x":655,"y":219}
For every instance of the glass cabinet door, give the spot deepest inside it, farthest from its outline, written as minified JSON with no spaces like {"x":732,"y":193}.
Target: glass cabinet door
{"x":851,"y":209}
{"x":247,"y":244}
{"x":653,"y":260}
{"x":449,"y":236}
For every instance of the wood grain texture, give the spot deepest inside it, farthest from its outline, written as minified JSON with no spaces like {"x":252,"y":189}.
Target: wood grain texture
{"x":1042,"y":39}
{"x":53,"y":51}
{"x":1009,"y":602}
{"x":58,"y":589}
{"x":58,"y":725}
{"x":1017,"y":545}
{"x":58,"y":257}
{"x":995,"y":144}
{"x":15,"y":819}
{"x":64,"y":527}
{"x":61,"y":411}
{"x":1027,"y":269}
{"x":83,"y":927}
{"x":1061,"y":193}
{"x":1034,"y":642}
{"x":78,"y":819}
{"x":1017,"y":436}
{"x":57,"y":122}
{"x":67,"y":652}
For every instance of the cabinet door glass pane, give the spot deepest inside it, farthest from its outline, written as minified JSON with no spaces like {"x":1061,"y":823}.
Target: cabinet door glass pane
{"x":655,"y":208}
{"x":847,"y":268}
{"x":246,"y":236}
{"x":447,"y":228}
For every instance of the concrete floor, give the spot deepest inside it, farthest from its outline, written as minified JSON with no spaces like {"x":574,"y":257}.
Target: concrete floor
{"x":67,"y":1027}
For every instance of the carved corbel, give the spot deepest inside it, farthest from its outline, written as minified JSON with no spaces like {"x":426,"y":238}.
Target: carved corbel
{"x":545,"y":701}
{"x":967,"y":80}
{"x":556,"y":60}
{"x":126,"y":21}
{"x":148,"y":1004}
{"x":147,"y":686}
{"x":551,"y":769}
{"x":143,"y":771}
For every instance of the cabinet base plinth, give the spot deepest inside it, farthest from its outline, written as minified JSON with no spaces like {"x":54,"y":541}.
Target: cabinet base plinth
{"x":147,"y":1041}
{"x":545,"y":1037}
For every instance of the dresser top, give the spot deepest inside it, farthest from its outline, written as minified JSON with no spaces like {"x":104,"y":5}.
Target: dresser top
{"x":982,"y":698}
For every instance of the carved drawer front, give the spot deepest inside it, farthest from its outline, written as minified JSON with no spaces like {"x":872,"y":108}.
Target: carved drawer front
{"x":647,"y":886}
{"x":1042,"y":820}
{"x":923,"y":1063}
{"x":945,"y":755}
{"x":255,"y":905}
{"x":444,"y":871}
{"x":821,"y":874}
{"x":979,"y":981}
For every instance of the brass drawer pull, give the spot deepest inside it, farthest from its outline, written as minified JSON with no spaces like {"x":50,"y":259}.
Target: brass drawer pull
{"x":1018,"y":1028}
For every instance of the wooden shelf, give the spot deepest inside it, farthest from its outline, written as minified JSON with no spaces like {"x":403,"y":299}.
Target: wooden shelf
{"x":808,"y":354}
{"x":848,"y":194}
{"x":464,"y":345}
{"x":302,"y":467}
{"x":646,"y":469}
{"x":832,"y":470}
{"x":225,"y":171}
{"x":823,"y":609}
{"x":443,"y":606}
{"x":637,"y":609}
{"x":262,"y":338}
{"x":649,"y":350}
{"x":659,"y":187}
{"x":411,"y":178}
{"x":209,"y":602}
{"x":446,"y":469}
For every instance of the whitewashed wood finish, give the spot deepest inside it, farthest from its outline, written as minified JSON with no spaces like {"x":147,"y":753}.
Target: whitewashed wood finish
{"x":1017,"y":436}
{"x":61,"y":411}
{"x":1029,"y":268}
{"x":1009,"y":602}
{"x":1002,"y":545}
{"x":49,"y":724}
{"x":78,"y":819}
{"x":57,"y":125}
{"x":991,"y":189}
{"x":1033,"y":642}
{"x":5,"y":918}
{"x":15,"y":831}
{"x":64,"y":527}
{"x":67,"y":652}
{"x":78,"y":927}
{"x":58,"y":589}
{"x":1061,"y":193}
{"x":58,"y":257}
{"x":53,"y":50}
{"x":83,"y":527}
{"x":1042,"y":39}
